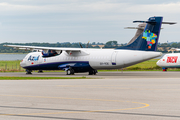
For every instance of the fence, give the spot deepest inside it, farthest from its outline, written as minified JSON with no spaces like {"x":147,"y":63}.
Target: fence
{"x":10,"y":66}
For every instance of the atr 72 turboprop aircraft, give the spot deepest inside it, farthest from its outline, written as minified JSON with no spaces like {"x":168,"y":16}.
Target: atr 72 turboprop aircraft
{"x":74,"y":60}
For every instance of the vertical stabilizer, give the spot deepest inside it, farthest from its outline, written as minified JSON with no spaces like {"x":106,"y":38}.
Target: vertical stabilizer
{"x":148,"y":40}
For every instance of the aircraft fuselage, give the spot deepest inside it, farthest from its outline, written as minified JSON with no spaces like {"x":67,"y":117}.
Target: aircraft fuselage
{"x":171,"y":60}
{"x":89,"y":59}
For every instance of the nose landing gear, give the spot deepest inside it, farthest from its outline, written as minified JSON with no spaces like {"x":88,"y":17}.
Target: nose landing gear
{"x":29,"y":72}
{"x":164,"y":69}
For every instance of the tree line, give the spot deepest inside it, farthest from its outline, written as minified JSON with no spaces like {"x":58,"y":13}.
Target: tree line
{"x":110,"y":44}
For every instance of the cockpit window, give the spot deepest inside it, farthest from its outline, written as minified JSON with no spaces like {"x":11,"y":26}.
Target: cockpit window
{"x":26,"y":57}
{"x":50,"y":53}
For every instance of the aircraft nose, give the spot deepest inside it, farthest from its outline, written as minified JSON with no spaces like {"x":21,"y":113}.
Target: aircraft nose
{"x":22,"y":63}
{"x":158,"y":63}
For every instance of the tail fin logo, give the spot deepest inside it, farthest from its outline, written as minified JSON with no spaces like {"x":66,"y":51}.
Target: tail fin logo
{"x":150,"y":38}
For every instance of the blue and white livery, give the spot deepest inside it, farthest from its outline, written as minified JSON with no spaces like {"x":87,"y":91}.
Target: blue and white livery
{"x":74,"y":60}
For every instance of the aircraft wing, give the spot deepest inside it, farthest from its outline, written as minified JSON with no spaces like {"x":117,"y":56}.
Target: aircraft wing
{"x":57,"y":49}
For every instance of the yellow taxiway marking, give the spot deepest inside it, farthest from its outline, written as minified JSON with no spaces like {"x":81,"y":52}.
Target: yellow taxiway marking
{"x":104,"y":100}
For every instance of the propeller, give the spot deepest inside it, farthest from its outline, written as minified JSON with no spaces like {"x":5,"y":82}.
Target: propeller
{"x":86,"y":45}
{"x":80,"y":45}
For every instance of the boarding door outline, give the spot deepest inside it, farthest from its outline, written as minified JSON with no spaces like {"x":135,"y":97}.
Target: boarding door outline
{"x":178,"y":61}
{"x":113,"y":58}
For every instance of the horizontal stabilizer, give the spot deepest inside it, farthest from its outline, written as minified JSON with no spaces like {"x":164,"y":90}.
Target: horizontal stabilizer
{"x":150,"y":22}
{"x":170,"y":23}
{"x":153,"y":22}
{"x":142,"y":28}
{"x":139,"y":21}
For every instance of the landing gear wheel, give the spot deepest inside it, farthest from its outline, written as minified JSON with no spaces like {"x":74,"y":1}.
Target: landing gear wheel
{"x":164,"y":69}
{"x":29,"y":72}
{"x":92,"y":72}
{"x":70,"y":72}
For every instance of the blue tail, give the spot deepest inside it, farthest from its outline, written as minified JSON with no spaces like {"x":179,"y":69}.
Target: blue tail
{"x":148,"y":40}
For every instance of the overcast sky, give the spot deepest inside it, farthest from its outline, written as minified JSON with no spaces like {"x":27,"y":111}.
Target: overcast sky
{"x":82,"y":20}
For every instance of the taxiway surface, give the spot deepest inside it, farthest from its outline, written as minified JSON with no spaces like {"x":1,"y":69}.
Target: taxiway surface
{"x":127,"y":95}
{"x":104,"y":75}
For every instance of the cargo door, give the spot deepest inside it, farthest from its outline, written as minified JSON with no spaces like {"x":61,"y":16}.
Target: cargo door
{"x":114,"y":54}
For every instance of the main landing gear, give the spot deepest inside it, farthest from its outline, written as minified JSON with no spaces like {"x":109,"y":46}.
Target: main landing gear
{"x":70,"y":71}
{"x":28,"y":72}
{"x":93,"y":72}
{"x":40,"y":71}
{"x":164,"y":69}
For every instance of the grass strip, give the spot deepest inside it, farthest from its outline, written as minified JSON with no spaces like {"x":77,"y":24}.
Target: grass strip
{"x":149,"y":65}
{"x":39,"y":78}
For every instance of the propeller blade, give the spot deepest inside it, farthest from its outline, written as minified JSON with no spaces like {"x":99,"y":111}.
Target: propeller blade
{"x":87,"y":44}
{"x":80,"y":45}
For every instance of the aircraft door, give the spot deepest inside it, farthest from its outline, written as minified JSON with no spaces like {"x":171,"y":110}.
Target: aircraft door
{"x":178,"y":60}
{"x":40,"y":60}
{"x":113,"y":59}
